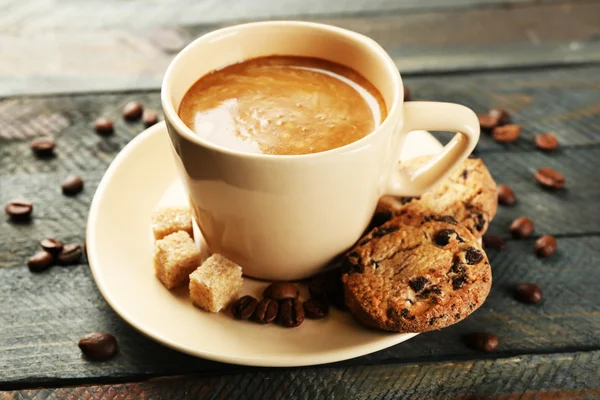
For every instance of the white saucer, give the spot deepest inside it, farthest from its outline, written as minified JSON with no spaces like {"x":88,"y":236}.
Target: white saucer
{"x":120,"y":248}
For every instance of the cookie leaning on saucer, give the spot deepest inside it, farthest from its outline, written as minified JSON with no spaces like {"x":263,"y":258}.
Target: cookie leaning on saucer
{"x":416,"y":275}
{"x":468,"y":194}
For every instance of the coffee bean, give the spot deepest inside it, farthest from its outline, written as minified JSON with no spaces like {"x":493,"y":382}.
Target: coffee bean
{"x":545,"y":246}
{"x":482,"y":341}
{"x":315,"y":309}
{"x":72,"y":185}
{"x":488,"y":122}
{"x":550,"y":178}
{"x":502,"y":115}
{"x":70,"y":254}
{"x":19,"y":209}
{"x":442,"y":238}
{"x":406,"y":93}
{"x":473,"y":256}
{"x":52,"y":246}
{"x":521,"y":227}
{"x":281,"y":291}
{"x":132,"y":110}
{"x":103,"y":126}
{"x":40,"y":261}
{"x":506,"y":196}
{"x":546,"y":142}
{"x":266,"y":311}
{"x":493,"y":242}
{"x":291,"y":313}
{"x":529,"y":293}
{"x":506,"y":133}
{"x":43,"y":146}
{"x":149,"y":117}
{"x":244,"y":307}
{"x":99,"y":346}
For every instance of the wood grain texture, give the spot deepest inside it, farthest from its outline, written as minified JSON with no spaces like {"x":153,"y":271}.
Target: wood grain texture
{"x":557,"y":376}
{"x":127,"y":45}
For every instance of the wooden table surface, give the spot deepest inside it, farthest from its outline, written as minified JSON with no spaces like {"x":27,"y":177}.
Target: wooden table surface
{"x":64,"y":63}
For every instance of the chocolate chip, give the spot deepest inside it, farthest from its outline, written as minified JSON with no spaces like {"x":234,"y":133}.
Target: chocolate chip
{"x":457,"y":315}
{"x":464,"y":174}
{"x":442,"y":238}
{"x":418,"y":283}
{"x":19,"y":209}
{"x":244,"y":307}
{"x":70,"y":254}
{"x":459,"y":282}
{"x":506,"y":196}
{"x":473,"y":255}
{"x":406,"y":93}
{"x":132,"y":110}
{"x":404,"y":313}
{"x":506,"y":133}
{"x":406,"y":200}
{"x":480,"y":222}
{"x":266,"y":311}
{"x":99,"y":346}
{"x":291,"y":313}
{"x":546,"y":142}
{"x":457,"y":267}
{"x":488,"y":122}
{"x":545,"y":246}
{"x":72,"y":185}
{"x":430,"y":290}
{"x":482,"y":341}
{"x":443,"y":218}
{"x":281,"y":291}
{"x":351,"y":265}
{"x":384,"y":230}
{"x":52,"y":246}
{"x":149,"y":117}
{"x":40,"y":261}
{"x":529,"y":293}
{"x":315,"y":309}
{"x":43,"y":146}
{"x":103,"y":126}
{"x":502,"y":115}
{"x":493,"y":242}
{"x":521,"y":227}
{"x":550,"y":178}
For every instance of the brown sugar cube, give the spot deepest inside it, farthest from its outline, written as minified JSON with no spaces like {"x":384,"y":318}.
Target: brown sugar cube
{"x":175,"y":258}
{"x":170,"y":220}
{"x":215,"y":284}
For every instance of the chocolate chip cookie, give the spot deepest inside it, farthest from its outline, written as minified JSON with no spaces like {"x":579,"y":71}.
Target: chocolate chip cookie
{"x":468,"y":194}
{"x":416,"y":275}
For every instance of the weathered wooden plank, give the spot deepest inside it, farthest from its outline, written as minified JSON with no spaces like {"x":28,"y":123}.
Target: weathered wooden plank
{"x":43,"y":316}
{"x":557,"y":376}
{"x":84,"y":54}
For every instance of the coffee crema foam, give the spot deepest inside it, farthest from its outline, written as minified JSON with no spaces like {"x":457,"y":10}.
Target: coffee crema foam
{"x":283,"y":105}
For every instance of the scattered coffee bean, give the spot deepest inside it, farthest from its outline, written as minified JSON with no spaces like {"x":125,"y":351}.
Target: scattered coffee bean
{"x":291,"y":313}
{"x":103,"y":126}
{"x":529,"y":293}
{"x":521,"y":227}
{"x":406,"y":93}
{"x":506,"y":133}
{"x":70,"y":254}
{"x":43,"y":146}
{"x":98,"y":346}
{"x":502,"y":115}
{"x":315,"y":309}
{"x":149,"y":117}
{"x":72,"y":185}
{"x":19,"y":209}
{"x":132,"y":110}
{"x":244,"y":307}
{"x":266,"y":311}
{"x":550,"y":178}
{"x":52,"y":246}
{"x":482,"y":341}
{"x":488,"y":122}
{"x":40,"y":261}
{"x":506,"y":196}
{"x":281,"y":291}
{"x":546,"y":142}
{"x":327,"y":287}
{"x":545,"y":246}
{"x":493,"y":242}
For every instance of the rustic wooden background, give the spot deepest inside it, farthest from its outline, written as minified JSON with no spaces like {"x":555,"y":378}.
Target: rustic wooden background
{"x":63,"y":63}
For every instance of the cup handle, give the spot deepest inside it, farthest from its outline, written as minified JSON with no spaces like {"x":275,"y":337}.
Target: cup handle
{"x":436,"y":117}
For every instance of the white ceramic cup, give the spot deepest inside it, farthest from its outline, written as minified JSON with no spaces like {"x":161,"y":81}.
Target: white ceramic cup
{"x":285,"y":217}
